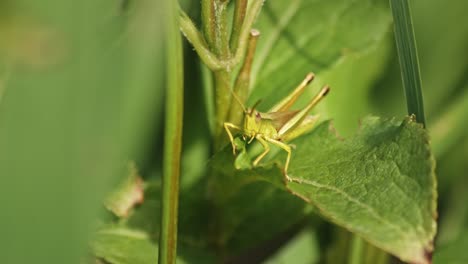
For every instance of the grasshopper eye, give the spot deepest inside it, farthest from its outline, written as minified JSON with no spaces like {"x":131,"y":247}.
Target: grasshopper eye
{"x":258,"y":117}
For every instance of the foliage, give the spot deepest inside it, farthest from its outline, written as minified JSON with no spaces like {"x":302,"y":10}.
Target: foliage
{"x":379,"y":184}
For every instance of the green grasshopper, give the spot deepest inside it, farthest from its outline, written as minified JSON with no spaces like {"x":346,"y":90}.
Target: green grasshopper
{"x":279,"y":124}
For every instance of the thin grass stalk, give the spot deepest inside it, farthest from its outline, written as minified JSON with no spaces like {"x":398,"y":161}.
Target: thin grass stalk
{"x":172,"y":139}
{"x":408,"y":57}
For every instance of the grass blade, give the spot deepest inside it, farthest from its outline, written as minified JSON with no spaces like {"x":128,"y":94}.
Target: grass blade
{"x":408,"y":56}
{"x":172,"y":139}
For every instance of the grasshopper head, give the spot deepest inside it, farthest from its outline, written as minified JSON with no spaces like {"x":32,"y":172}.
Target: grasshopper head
{"x":252,"y":123}
{"x":252,"y":120}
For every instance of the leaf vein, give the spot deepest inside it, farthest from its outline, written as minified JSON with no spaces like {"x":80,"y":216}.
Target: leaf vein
{"x":274,"y":36}
{"x":357,"y":202}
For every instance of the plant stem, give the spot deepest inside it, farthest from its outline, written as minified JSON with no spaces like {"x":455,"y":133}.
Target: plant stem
{"x":238,"y":21}
{"x":241,"y":86}
{"x":356,"y":250}
{"x":408,"y":56}
{"x":214,"y":19}
{"x":222,"y":78}
{"x":221,"y":30}
{"x":196,"y":39}
{"x":208,"y":21}
{"x":222,"y":81}
{"x":361,"y":252}
{"x":208,"y":91}
{"x":211,"y":60}
{"x":250,"y":17}
{"x":172,"y":139}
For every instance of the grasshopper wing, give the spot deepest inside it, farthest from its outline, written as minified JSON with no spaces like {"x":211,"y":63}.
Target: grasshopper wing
{"x":307,"y":125}
{"x":278,"y":119}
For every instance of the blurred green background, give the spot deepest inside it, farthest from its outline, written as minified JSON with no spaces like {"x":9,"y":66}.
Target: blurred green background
{"x":81,"y":94}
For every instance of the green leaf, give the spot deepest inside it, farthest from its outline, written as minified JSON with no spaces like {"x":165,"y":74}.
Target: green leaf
{"x":258,"y":213}
{"x":379,"y":184}
{"x":124,"y":246}
{"x":135,"y":239}
{"x":343,"y":42}
{"x":249,"y":212}
{"x":192,"y":229}
{"x":147,"y":216}
{"x":351,"y":80}
{"x":128,"y":194}
{"x":121,"y":245}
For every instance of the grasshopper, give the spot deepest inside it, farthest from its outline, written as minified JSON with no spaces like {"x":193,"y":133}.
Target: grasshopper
{"x":279,"y":125}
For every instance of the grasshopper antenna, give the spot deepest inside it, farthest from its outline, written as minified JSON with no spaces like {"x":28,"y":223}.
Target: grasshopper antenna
{"x":254,"y":106}
{"x":239,"y":101}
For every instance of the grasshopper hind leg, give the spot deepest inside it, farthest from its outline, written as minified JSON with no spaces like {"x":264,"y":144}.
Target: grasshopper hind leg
{"x":307,"y":125}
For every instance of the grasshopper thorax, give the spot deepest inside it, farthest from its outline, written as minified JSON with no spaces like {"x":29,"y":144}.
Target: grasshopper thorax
{"x":255,"y":124}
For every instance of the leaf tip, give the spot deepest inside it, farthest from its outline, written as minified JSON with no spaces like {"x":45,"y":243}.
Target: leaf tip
{"x":428,"y":256}
{"x":127,"y":195}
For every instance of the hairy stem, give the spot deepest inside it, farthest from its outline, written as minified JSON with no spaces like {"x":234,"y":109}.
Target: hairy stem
{"x":208,"y":21}
{"x":242,"y":84}
{"x":238,"y":20}
{"x":196,"y":39}
{"x":208,"y":91}
{"x":203,"y":50}
{"x":221,"y":30}
{"x":222,"y":81}
{"x":219,"y":58}
{"x":222,"y":78}
{"x":242,"y":44}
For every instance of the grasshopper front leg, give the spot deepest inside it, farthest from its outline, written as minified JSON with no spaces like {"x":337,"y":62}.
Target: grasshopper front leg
{"x":231,"y":138}
{"x":265,"y":152}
